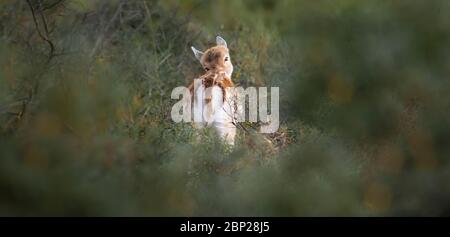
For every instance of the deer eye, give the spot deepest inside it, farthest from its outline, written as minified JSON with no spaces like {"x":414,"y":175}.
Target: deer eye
{"x":206,"y":69}
{"x":226,"y":59}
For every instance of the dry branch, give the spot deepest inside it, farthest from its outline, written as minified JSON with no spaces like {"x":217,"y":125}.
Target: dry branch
{"x":44,"y":23}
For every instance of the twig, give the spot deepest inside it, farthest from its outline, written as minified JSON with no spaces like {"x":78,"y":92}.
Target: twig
{"x":44,"y":22}
{"x":147,"y":10}
{"x":52,"y":5}
{"x":100,"y":39}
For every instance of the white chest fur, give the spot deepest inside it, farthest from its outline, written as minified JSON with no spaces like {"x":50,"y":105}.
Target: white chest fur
{"x":216,"y":112}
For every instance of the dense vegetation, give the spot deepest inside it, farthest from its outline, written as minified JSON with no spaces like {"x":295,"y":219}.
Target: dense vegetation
{"x":85,"y":108}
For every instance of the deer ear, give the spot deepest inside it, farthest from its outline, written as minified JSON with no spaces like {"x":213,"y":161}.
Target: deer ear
{"x":198,"y":54}
{"x":221,"y":41}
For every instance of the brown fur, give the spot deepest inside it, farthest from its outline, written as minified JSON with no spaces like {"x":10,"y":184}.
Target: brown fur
{"x":214,"y":60}
{"x":213,"y":78}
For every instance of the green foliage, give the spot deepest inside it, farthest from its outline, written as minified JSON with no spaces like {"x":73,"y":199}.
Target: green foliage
{"x":86,"y":128}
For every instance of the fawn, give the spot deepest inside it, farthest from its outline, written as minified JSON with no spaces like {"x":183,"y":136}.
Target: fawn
{"x":213,"y":92}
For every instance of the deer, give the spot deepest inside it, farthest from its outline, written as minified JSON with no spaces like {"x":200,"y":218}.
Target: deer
{"x":214,"y":91}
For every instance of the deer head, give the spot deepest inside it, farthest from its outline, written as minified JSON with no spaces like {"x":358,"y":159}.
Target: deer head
{"x":216,"y":58}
